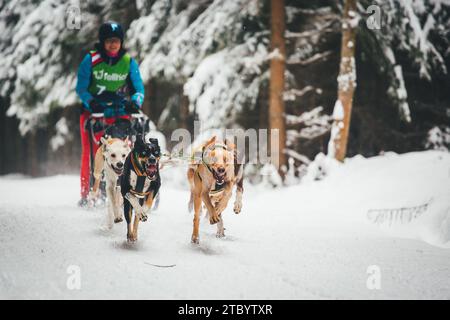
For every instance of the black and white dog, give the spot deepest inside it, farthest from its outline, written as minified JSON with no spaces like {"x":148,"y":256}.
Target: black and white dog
{"x":140,"y":183}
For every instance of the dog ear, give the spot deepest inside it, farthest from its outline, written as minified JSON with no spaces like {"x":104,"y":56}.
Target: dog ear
{"x":230,"y":145}
{"x":126,"y":142}
{"x":210,"y":141}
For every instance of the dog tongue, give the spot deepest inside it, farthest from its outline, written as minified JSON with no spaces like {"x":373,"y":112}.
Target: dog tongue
{"x":151,"y":170}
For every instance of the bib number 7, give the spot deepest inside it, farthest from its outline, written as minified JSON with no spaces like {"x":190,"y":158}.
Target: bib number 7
{"x":101,"y":89}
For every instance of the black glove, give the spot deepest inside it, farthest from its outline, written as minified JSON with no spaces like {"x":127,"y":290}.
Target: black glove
{"x":95,"y":106}
{"x":131,"y":107}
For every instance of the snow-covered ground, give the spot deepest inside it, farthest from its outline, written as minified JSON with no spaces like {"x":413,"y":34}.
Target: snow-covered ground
{"x":327,"y":239}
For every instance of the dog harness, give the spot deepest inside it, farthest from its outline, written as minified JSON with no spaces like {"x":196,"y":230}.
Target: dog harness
{"x":138,"y":191}
{"x":217,"y":187}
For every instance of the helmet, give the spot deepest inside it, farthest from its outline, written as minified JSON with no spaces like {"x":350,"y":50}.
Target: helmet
{"x":110,"y":29}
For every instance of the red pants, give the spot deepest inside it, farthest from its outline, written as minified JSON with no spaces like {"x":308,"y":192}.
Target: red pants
{"x":85,"y":171}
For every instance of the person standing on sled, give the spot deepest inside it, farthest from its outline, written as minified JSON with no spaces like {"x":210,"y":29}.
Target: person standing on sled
{"x":105,"y":76}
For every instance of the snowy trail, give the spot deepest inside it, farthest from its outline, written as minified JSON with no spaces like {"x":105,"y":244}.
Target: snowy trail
{"x":310,"y":241}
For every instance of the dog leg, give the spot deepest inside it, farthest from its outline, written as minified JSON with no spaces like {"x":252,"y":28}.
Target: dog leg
{"x":213,"y":216}
{"x":98,"y":169}
{"x":147,"y":207}
{"x":238,"y":202}
{"x":190,"y":176}
{"x":133,"y":237}
{"x":117,"y":205}
{"x":127,"y":210}
{"x":239,"y":190}
{"x":111,"y":208}
{"x":94,"y":193}
{"x":134,"y":203}
{"x":197,"y":204}
{"x":223,"y":202}
{"x":220,"y":229}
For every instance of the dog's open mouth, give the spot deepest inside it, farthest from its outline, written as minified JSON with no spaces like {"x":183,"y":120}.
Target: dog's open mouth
{"x":220,"y":178}
{"x":151,"y":170}
{"x":118,"y":171}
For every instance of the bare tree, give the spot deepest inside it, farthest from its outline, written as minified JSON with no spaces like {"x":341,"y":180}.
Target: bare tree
{"x":277,"y":67}
{"x":337,"y":146}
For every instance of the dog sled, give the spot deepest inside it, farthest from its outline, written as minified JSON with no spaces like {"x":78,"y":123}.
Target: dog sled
{"x":124,"y":127}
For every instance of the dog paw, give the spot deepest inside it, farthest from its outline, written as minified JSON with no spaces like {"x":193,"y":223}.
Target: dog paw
{"x":118,"y":220}
{"x":195,"y":240}
{"x":131,"y":237}
{"x":143,"y":217}
{"x":214,"y":219}
{"x":237,"y":207}
{"x":220,"y":234}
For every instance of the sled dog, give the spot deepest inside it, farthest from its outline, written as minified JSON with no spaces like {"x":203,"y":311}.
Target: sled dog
{"x":140,"y":183}
{"x":211,"y":179}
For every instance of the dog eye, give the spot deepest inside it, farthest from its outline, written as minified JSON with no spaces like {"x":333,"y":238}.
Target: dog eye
{"x":124,"y":155}
{"x":113,"y":155}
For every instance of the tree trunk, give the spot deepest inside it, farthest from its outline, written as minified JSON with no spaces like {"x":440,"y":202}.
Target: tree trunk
{"x":184,"y":110}
{"x":277,"y":66}
{"x":33,"y":153}
{"x":346,"y":84}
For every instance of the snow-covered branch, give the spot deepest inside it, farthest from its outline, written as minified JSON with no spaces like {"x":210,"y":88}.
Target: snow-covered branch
{"x":292,"y":94}
{"x":316,"y":57}
{"x":300,"y":157}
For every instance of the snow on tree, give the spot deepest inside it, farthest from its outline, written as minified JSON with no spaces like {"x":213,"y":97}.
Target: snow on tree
{"x":214,"y":54}
{"x":416,"y":28}
{"x":337,"y":147}
{"x":36,"y":42}
{"x":314,"y":122}
{"x":62,"y":133}
{"x":338,"y":125}
{"x":307,"y":119}
{"x":438,"y":138}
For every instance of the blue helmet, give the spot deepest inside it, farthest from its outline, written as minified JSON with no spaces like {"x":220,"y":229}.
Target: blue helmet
{"x":110,"y":29}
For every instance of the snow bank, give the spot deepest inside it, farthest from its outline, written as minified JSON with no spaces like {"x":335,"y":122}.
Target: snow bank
{"x":405,"y":196}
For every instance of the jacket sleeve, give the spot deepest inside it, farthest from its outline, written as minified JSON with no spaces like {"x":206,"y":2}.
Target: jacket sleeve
{"x":83,"y":81}
{"x":136,"y":80}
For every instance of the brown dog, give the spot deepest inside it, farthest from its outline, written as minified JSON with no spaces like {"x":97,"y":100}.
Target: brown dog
{"x":212,"y":179}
